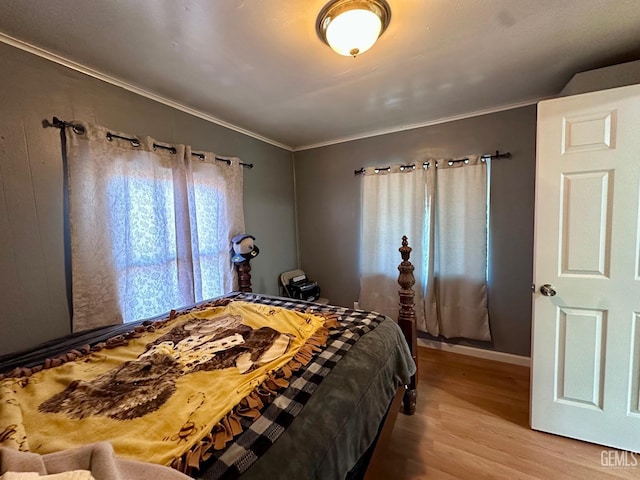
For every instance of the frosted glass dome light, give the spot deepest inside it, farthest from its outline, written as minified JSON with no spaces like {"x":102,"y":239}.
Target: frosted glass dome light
{"x":351,"y":27}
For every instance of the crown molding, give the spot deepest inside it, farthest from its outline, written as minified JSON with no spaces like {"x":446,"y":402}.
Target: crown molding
{"x":402,"y":128}
{"x":60,"y":60}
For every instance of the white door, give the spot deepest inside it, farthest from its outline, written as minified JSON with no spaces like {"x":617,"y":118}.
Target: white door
{"x":586,"y":337}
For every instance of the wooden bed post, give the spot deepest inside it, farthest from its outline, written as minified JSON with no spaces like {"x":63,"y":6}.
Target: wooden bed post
{"x":244,"y":276}
{"x":407,"y":321}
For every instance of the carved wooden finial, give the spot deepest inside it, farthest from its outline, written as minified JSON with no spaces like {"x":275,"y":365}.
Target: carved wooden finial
{"x":406,"y":278}
{"x":405,"y":248}
{"x":407,"y":319}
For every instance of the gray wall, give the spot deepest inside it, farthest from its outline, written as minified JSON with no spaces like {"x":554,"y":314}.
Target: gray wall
{"x":33,"y":294}
{"x":328,"y":204}
{"x":33,"y":284}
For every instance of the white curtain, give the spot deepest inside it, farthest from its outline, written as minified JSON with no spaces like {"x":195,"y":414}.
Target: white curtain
{"x":393,"y":205}
{"x":150,"y":227}
{"x":444,"y":215}
{"x":456,"y":290}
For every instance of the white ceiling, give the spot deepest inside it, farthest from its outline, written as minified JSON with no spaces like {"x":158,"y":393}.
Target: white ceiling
{"x":259,"y":65}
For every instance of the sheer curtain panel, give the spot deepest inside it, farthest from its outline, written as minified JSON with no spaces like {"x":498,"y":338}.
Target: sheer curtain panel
{"x":150,"y":227}
{"x":393,"y":205}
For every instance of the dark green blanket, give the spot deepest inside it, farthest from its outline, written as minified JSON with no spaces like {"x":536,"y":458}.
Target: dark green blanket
{"x":341,"y":419}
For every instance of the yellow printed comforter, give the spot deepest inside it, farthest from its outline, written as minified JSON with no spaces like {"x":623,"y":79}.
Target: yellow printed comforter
{"x":169,"y":395}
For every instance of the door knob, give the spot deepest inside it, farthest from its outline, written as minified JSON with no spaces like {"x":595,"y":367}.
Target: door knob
{"x":548,"y":290}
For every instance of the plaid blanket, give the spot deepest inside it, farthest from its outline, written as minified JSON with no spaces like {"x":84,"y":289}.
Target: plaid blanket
{"x":260,"y":434}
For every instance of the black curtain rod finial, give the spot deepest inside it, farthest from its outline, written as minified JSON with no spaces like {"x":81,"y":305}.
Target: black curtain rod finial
{"x":57,"y":123}
{"x":500,"y":155}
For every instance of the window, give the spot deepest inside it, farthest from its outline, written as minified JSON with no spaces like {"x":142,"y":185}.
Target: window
{"x":150,"y":227}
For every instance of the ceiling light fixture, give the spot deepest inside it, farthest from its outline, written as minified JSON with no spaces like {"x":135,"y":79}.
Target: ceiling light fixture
{"x":351,"y":27}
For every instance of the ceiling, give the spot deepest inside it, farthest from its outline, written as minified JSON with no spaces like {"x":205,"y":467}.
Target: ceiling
{"x":258,"y":65}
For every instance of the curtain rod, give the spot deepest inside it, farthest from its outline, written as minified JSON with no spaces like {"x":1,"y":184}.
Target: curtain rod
{"x":79,"y":129}
{"x":427,"y":164}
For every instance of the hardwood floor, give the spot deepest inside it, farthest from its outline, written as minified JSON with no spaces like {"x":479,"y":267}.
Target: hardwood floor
{"x":472,"y":422}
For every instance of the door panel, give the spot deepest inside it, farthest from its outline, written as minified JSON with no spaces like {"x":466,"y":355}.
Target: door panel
{"x":580,"y":349}
{"x":585,"y":230}
{"x":595,"y":131}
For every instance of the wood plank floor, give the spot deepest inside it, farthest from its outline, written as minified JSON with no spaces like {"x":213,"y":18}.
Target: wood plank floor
{"x":472,"y":422}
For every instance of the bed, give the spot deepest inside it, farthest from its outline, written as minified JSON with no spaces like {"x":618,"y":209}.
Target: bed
{"x":321,"y":386}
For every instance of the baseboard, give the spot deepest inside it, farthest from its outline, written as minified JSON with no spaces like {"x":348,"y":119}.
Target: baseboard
{"x":476,"y":352}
